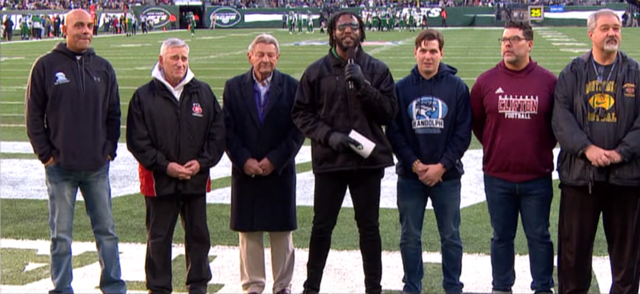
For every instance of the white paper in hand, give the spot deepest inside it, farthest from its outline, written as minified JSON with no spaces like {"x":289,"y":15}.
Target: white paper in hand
{"x":366,"y":144}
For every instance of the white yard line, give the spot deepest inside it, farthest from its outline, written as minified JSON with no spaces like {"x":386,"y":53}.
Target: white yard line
{"x":342,"y":274}
{"x":25,"y":178}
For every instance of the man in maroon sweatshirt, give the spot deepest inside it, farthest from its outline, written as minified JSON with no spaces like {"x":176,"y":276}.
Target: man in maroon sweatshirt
{"x":511,"y":105}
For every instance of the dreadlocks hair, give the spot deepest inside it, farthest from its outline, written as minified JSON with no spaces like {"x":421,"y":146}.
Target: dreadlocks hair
{"x":333,"y":21}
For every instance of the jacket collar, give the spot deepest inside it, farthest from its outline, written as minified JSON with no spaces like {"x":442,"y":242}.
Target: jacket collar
{"x":61,"y":47}
{"x":275,"y":89}
{"x":337,"y":61}
{"x":157,"y":74}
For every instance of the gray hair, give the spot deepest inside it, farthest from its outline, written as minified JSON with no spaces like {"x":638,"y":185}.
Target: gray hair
{"x":593,"y":18}
{"x":172,"y":42}
{"x":266,"y":39}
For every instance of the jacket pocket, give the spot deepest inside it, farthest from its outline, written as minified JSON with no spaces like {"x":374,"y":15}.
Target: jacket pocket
{"x":573,"y":170}
{"x":322,"y":156}
{"x":626,"y":174}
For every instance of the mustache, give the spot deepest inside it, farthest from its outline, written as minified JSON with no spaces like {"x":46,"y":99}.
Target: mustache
{"x":611,"y":39}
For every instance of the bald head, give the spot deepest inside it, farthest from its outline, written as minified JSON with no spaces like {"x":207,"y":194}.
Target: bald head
{"x":76,"y":14}
{"x":79,"y":30}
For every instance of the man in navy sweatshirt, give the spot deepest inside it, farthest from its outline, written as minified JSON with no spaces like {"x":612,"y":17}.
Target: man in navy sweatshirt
{"x":512,"y":106}
{"x":73,"y":123}
{"x":429,"y":136}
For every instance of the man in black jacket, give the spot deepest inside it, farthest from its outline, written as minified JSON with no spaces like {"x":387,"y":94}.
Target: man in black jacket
{"x":597,"y":123}
{"x":73,"y":123}
{"x":175,"y":129}
{"x":345,"y":91}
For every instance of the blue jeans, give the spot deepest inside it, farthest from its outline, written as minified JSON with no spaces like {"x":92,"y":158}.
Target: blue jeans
{"x":412,"y":202}
{"x":532,"y":199}
{"x":62,"y":185}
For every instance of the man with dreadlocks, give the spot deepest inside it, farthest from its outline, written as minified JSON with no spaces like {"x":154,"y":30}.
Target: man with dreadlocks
{"x":343,"y":93}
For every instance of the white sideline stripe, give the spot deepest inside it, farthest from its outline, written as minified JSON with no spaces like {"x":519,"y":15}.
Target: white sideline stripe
{"x":4,"y":43}
{"x":26,"y":178}
{"x":343,"y":272}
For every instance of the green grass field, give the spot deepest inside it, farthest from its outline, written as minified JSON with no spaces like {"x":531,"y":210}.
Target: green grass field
{"x":219,"y":55}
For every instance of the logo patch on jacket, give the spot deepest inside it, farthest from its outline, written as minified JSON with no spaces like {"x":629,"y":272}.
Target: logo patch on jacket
{"x":61,"y":78}
{"x":629,"y":90}
{"x":196,"y":110}
{"x":427,"y":115}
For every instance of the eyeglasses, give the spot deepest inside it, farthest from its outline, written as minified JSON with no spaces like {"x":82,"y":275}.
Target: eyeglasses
{"x":354,"y":26}
{"x":512,"y":39}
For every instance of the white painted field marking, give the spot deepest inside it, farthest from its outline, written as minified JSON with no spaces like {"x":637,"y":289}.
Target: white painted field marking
{"x":342,"y":274}
{"x":130,"y":45}
{"x":211,"y":37}
{"x":4,"y":43}
{"x":33,"y":265}
{"x":568,"y":44}
{"x":13,"y":89}
{"x":218,"y":55}
{"x":578,"y":50}
{"x":26,"y":178}
{"x":7,"y":58}
{"x":387,"y":47}
{"x":564,"y":42}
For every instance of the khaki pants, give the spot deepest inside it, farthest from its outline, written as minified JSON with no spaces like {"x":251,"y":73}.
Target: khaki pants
{"x":252,"y":272}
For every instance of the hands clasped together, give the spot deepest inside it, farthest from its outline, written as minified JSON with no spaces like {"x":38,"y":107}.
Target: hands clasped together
{"x":253,"y":167}
{"x":183,"y":172}
{"x":429,"y":174}
{"x":600,"y":157}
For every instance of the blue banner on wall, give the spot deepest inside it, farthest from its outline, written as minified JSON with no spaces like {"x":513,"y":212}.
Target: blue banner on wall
{"x":556,"y":8}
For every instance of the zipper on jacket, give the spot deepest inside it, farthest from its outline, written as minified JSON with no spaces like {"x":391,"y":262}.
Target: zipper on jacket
{"x":80,"y":72}
{"x":585,"y":123}
{"x":350,"y":96}
{"x":180,"y":102}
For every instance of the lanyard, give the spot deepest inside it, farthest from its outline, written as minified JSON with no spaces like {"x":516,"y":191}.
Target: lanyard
{"x":601,"y":74}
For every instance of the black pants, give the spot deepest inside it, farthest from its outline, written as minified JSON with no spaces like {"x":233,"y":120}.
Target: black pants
{"x":579,"y":216}
{"x":162,"y":215}
{"x":330,"y":189}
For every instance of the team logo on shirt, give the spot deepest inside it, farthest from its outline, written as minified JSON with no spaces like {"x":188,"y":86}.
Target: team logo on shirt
{"x":427,"y":114}
{"x":629,"y":90}
{"x":517,"y":106}
{"x":61,"y":78}
{"x":196,"y":110}
{"x":601,"y":99}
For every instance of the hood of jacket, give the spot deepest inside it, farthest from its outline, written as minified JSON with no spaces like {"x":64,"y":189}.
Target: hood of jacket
{"x":158,"y":74}
{"x":518,"y":73}
{"x":428,"y":87}
{"x":62,"y":49}
{"x":443,"y":70}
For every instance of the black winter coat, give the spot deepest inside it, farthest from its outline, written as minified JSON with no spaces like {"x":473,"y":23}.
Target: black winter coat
{"x":161,"y":129}
{"x":325,"y":104}
{"x":262,"y":203}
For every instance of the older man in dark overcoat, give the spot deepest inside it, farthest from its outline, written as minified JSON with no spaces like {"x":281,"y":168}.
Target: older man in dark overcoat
{"x":262,"y":143}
